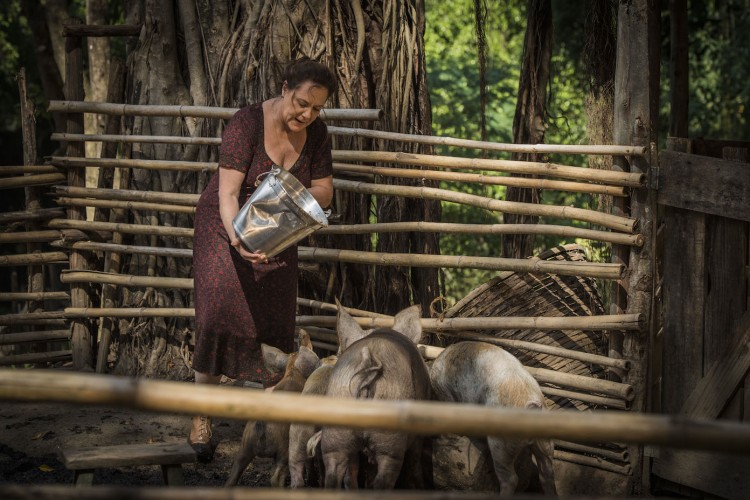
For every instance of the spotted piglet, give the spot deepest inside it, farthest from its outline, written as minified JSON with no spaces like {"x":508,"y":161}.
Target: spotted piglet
{"x":482,"y":373}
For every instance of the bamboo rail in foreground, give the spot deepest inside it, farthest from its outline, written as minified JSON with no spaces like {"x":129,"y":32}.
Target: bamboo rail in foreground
{"x":615,"y":222}
{"x":167,"y":165}
{"x":113,"y":227}
{"x":193,"y":111}
{"x":492,"y":146}
{"x":31,"y":180}
{"x":616,"y":178}
{"x":100,"y":492}
{"x":492,"y":180}
{"x":420,"y":417}
{"x":144,"y":139}
{"x":129,"y":312}
{"x":453,"y":228}
{"x":565,"y":268}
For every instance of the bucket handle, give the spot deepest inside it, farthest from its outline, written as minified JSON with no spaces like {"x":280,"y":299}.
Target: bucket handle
{"x":274,"y":170}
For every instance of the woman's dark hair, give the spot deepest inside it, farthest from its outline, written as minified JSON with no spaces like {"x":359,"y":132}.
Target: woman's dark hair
{"x":305,"y":69}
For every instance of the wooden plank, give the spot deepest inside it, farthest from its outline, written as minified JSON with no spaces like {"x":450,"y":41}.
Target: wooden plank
{"x":683,"y":296}
{"x":704,"y":184}
{"x":711,"y":394}
{"x":723,"y":475}
{"x":128,"y":455}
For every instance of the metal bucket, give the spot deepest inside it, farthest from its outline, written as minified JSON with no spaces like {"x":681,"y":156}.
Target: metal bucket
{"x":278,"y":214}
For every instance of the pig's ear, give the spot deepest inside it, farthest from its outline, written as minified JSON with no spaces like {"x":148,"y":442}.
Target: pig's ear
{"x":407,"y":322}
{"x":304,"y":338}
{"x":306,"y":361}
{"x":274,"y":359}
{"x":347,"y":329}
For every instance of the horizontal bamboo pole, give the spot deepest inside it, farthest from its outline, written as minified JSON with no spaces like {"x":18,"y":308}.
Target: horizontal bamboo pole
{"x":621,"y":455}
{"x":40,"y":336}
{"x":33,"y":258}
{"x":610,"y":403}
{"x":597,"y":385}
{"x":144,"y":139}
{"x":12,"y":491}
{"x":615,"y":222}
{"x":193,"y":111}
{"x":184,"y":253}
{"x":25,"y":318}
{"x":628,"y":322}
{"x":86,"y":225}
{"x":613,"y":177}
{"x":30,"y":236}
{"x":31,"y":215}
{"x":28,"y":169}
{"x":129,"y":312}
{"x":167,"y":165}
{"x":585,"y":357}
{"x":128,"y":195}
{"x":125,"y":279}
{"x":565,"y":268}
{"x":327,"y":306}
{"x":127,"y":205}
{"x":455,"y":228}
{"x":31,"y":180}
{"x":492,"y":180}
{"x":421,"y":417}
{"x":492,"y":146}
{"x":17,"y":296}
{"x":596,"y":462}
{"x":35,"y":357}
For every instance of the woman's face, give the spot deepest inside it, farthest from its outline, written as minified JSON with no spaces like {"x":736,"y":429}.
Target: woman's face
{"x":302,"y":104}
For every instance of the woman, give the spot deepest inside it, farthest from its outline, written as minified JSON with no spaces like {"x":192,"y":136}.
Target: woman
{"x":243,"y":299}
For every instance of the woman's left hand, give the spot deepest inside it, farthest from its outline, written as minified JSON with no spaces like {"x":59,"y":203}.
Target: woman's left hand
{"x":255,"y":258}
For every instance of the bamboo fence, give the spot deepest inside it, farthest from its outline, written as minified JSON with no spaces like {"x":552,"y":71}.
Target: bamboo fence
{"x":40,"y":336}
{"x":35,"y":357}
{"x":508,"y":166}
{"x":27,"y":169}
{"x":31,"y":180}
{"x":193,"y":111}
{"x":420,"y":417}
{"x":615,"y":222}
{"x":497,"y":180}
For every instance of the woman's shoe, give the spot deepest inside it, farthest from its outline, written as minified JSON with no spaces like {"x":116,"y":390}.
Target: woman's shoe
{"x":200,"y":438}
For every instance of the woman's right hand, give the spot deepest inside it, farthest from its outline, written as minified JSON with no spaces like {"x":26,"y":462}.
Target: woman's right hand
{"x":255,"y":258}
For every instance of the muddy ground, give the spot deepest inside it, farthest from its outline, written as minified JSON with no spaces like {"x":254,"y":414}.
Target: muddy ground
{"x":31,"y":435}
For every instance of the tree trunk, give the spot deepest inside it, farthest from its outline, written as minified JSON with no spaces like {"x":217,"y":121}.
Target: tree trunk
{"x":230,"y":54}
{"x":529,"y":121}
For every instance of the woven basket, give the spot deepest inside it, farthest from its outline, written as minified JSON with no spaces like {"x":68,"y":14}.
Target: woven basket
{"x":526,"y":294}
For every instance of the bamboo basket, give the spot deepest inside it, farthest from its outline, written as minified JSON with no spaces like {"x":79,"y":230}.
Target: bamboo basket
{"x":527,"y":294}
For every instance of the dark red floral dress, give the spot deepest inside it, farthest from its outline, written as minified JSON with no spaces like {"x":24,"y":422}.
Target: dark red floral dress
{"x":239,"y":305}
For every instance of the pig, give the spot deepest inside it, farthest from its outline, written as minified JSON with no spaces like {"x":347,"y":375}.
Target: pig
{"x":482,"y":373}
{"x":300,"y":459}
{"x":271,"y":439}
{"x":382,"y":364}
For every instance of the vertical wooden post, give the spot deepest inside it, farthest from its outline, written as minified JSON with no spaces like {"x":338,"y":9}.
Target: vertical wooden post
{"x":678,"y":68}
{"x":635,"y":123}
{"x":81,"y":332}
{"x":35,"y":278}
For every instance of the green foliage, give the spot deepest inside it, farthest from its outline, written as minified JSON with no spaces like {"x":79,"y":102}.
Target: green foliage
{"x":15,"y":47}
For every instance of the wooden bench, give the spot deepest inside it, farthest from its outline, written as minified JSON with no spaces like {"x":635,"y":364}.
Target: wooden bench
{"x":170,"y":456}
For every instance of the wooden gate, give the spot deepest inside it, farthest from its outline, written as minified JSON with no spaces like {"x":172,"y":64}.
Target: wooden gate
{"x":702,"y":347}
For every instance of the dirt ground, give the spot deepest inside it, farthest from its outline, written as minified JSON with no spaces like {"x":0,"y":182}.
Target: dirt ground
{"x":31,"y":435}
